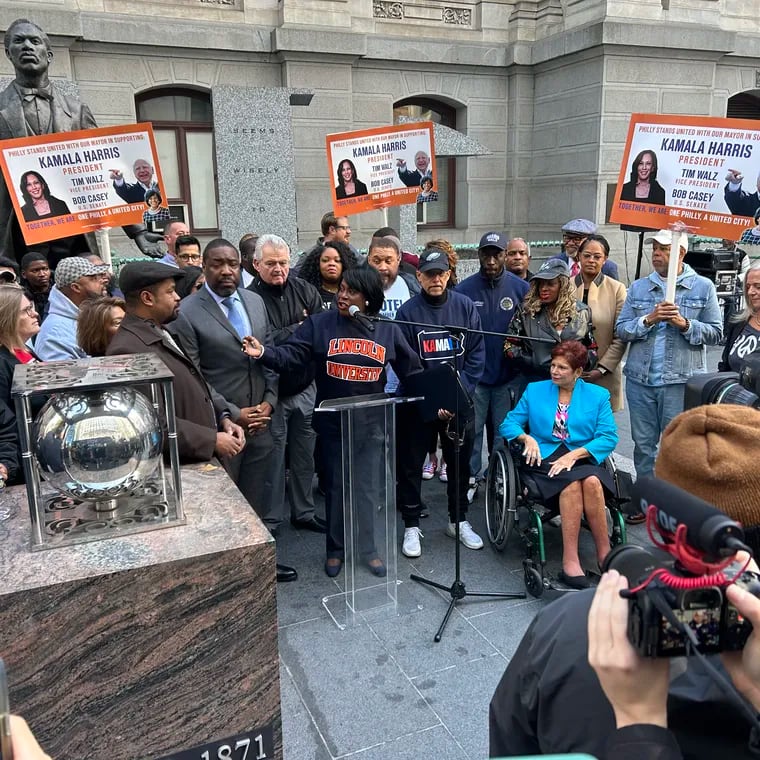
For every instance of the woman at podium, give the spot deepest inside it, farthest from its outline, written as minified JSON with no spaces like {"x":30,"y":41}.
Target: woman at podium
{"x":349,"y":351}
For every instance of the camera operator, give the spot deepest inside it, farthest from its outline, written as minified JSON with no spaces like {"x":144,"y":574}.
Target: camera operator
{"x":641,"y":715}
{"x":550,"y":700}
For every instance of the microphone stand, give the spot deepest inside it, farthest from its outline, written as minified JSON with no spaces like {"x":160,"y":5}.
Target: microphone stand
{"x":457,"y":590}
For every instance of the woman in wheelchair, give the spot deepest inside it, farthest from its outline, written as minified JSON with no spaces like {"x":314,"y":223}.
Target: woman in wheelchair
{"x":567,"y":431}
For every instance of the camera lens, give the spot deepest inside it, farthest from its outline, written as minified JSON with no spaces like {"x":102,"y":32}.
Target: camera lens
{"x":724,"y":388}
{"x":633,"y":562}
{"x":733,"y":393}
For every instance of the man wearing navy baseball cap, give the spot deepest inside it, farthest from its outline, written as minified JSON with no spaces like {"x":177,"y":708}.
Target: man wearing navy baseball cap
{"x":428,"y":316}
{"x":496,"y":293}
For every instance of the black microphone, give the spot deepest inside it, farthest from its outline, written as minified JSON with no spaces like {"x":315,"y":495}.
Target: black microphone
{"x":708,"y":530}
{"x":361,"y":317}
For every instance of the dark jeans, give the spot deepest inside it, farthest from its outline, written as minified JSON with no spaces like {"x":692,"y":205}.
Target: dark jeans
{"x":413,"y":436}
{"x":368,"y":445}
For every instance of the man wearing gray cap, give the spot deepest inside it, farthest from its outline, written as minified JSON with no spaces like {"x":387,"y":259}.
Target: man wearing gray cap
{"x":76,"y":280}
{"x":574,"y":233}
{"x":667,"y":345}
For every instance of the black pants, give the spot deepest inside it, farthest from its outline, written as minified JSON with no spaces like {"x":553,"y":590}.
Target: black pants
{"x":368,"y":442}
{"x":413,"y":436}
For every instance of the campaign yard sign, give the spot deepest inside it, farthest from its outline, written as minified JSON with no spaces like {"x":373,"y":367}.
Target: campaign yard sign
{"x":702,"y":171}
{"x":381,"y":167}
{"x":70,"y":183}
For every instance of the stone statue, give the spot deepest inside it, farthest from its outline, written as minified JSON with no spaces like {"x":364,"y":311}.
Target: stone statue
{"x":33,"y":105}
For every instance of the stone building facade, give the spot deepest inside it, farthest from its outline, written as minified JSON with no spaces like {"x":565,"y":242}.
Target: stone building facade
{"x":547,"y":85}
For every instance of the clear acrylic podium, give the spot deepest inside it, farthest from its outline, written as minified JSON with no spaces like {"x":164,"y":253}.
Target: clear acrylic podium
{"x":368,"y":443}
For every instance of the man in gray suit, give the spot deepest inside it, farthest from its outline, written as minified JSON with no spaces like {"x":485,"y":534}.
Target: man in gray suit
{"x":33,"y":105}
{"x":210,"y":328}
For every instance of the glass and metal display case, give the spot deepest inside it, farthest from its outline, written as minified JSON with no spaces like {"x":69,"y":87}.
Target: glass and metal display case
{"x":93,"y":433}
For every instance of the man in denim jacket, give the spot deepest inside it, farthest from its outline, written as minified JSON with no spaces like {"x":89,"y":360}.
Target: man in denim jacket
{"x":667,"y":345}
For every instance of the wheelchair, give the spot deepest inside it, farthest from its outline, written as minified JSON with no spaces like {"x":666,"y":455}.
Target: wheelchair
{"x":513,"y":503}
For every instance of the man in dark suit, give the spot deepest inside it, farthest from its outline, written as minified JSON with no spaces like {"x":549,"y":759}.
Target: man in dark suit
{"x":134,"y":193}
{"x":210,"y":329}
{"x":414,"y":178}
{"x":205,"y":427}
{"x":151,"y":303}
{"x":33,"y":105}
{"x":739,"y":201}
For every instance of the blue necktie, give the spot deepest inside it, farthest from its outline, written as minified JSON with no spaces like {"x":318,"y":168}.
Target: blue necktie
{"x":234,"y":315}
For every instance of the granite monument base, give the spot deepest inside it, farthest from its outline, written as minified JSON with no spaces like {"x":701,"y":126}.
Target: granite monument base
{"x":150,"y":645}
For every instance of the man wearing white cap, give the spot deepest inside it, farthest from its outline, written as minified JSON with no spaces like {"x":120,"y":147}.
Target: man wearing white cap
{"x":667,"y":345}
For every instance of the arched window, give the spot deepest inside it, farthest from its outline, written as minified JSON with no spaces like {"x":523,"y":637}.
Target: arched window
{"x":440,"y":213}
{"x":745,"y":105}
{"x":183,"y":126}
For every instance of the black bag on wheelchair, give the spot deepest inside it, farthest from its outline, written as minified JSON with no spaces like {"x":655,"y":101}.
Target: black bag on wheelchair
{"x":623,"y":486}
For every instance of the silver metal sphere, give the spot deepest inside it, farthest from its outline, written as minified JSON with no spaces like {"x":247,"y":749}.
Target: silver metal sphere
{"x":98,"y":444}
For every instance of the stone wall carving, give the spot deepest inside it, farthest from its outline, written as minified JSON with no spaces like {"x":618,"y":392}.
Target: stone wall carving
{"x":390,"y":10}
{"x":459,"y":16}
{"x":397,"y":11}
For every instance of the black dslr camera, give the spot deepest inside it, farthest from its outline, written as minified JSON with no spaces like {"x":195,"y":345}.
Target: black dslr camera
{"x":676,"y":592}
{"x":742,"y":388}
{"x":717,"y":625}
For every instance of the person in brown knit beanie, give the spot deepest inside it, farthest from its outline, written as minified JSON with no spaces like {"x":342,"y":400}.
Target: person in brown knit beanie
{"x":713,"y":452}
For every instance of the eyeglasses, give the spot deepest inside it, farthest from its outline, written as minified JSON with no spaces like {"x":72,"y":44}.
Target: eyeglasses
{"x":30,"y":311}
{"x":189,"y":256}
{"x":572,"y":236}
{"x":343,"y":227}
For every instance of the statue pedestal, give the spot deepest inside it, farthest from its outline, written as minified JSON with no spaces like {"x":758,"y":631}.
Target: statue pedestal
{"x":149,"y":645}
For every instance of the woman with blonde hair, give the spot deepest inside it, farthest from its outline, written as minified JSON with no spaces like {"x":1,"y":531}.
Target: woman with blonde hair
{"x":552,"y":313}
{"x":98,"y":321}
{"x":18,"y":324}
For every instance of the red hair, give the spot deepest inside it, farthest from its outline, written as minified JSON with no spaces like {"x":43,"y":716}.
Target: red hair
{"x":573,"y":352}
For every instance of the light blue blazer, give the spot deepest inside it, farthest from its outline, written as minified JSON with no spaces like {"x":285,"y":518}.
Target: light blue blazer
{"x":590,"y":423}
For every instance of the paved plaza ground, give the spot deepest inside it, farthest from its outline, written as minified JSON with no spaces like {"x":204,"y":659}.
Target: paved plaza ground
{"x":383,"y":689}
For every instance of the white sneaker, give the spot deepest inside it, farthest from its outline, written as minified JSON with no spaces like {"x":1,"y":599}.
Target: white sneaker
{"x":472,"y":489}
{"x":428,"y":470}
{"x":467,"y":536}
{"x":411,"y":546}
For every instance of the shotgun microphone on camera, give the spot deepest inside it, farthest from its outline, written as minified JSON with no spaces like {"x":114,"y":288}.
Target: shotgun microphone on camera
{"x":708,"y":530}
